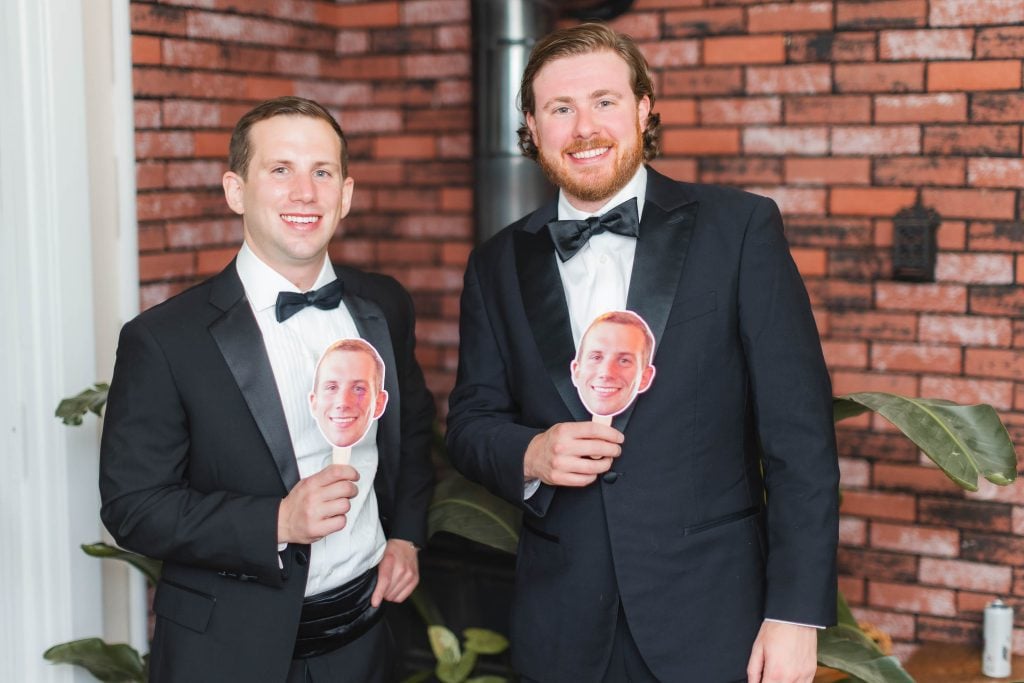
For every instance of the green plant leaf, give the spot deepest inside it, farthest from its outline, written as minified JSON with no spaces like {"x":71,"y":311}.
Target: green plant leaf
{"x":425,"y":606}
{"x":487,"y":679}
{"x":964,"y":441}
{"x":71,"y":410}
{"x":466,"y":509}
{"x":485,"y":641}
{"x":456,"y":672}
{"x":847,"y":649}
{"x":844,"y":615}
{"x":444,"y":645}
{"x":148,"y":566}
{"x":117,"y":663}
{"x":419,"y":676}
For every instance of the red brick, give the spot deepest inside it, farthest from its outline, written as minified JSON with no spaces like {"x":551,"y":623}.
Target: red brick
{"x":921,"y":297}
{"x":146,"y":114}
{"x":974,"y":75}
{"x":165,"y":265}
{"x":849,"y":382}
{"x":265,"y":88}
{"x":911,"y":598}
{"x":845,"y":354}
{"x":145,"y":50}
{"x":881,"y":14}
{"x":840,"y":295}
{"x":987,"y":491}
{"x":163,"y":144}
{"x":970,"y":12}
{"x":941,"y":107}
{"x":359,"y":15}
{"x":455,"y":146}
{"x":150,"y":175}
{"x":211,"y":144}
{"x":926,"y":44}
{"x":405,"y":147}
{"x":681,"y":169}
{"x":810,"y":262}
{"x":828,"y":171}
{"x":677,"y":112}
{"x":964,"y":514}
{"x":874,"y":326}
{"x":743,"y":50}
{"x":976,"y":204}
{"x":448,"y":120}
{"x":809,"y":79}
{"x":192,"y":234}
{"x":875,"y":505}
{"x":1020,"y":268}
{"x":855,"y":473}
{"x":870,"y":201}
{"x":968,"y":391}
{"x":713,"y":81}
{"x":740,"y":170}
{"x":918,"y":171}
{"x":786,"y":17}
{"x":157,"y":19}
{"x":987,"y":172}
{"x":1018,"y":521}
{"x":828,"y":232}
{"x":244,"y":29}
{"x":915,"y":358}
{"x":785,"y":140}
{"x":697,"y":141}
{"x":912,"y":478}
{"x":896,"y":625}
{"x":860,"y":264}
{"x":719,"y":111}
{"x":455,"y":254}
{"x":831,"y":109}
{"x":662,"y":4}
{"x":876,"y":445}
{"x":993,"y":548}
{"x":852,"y":589}
{"x":638,"y":25}
{"x":367,"y":68}
{"x":434,"y":11}
{"x":152,"y":294}
{"x":882,"y":140}
{"x":966,"y":330}
{"x":453,"y":37}
{"x":848,"y":46}
{"x":975,"y":140}
{"x":902,"y":77}
{"x":1000,"y":42}
{"x":151,"y":238}
{"x":853,"y":532}
{"x":952,"y":235}
{"x":210,"y":262}
{"x":351,"y":42}
{"x":436,"y":66}
{"x":997,"y":300}
{"x":194,"y":173}
{"x":434,"y":226}
{"x":794,"y":201}
{"x":673,"y":53}
{"x":915,"y":539}
{"x":456,"y":199}
{"x":335,"y":94}
{"x":935,"y":629}
{"x":701,"y":22}
{"x":998,"y":363}
{"x":997,"y":107}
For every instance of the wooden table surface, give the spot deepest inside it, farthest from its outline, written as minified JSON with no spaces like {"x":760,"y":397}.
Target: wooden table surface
{"x":947,"y":663}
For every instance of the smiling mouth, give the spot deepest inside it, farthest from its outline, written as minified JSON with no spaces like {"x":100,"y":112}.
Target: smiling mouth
{"x":295,"y":219}
{"x":589,"y":153}
{"x":342,"y":421}
{"x":605,"y":392}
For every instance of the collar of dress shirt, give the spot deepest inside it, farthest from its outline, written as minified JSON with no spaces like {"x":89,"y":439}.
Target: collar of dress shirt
{"x":262,"y":283}
{"x":636,"y":187}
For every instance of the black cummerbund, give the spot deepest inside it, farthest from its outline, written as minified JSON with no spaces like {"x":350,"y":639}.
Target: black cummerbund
{"x":337,"y":617}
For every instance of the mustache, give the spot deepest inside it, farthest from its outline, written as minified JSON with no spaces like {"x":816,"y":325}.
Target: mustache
{"x":585,"y":145}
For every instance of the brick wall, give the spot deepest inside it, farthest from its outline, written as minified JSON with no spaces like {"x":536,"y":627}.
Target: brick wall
{"x":845,"y":112}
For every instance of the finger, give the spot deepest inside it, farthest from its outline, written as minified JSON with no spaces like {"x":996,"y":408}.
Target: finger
{"x":335,"y":473}
{"x":586,"y":465}
{"x":570,"y":479}
{"x":591,"y":430}
{"x":405,"y":591}
{"x":383,"y":582}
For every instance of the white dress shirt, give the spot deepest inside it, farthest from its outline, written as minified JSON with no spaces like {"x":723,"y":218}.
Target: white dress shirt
{"x":294,"y":347}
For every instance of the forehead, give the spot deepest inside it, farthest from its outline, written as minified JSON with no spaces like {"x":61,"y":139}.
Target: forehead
{"x":294,"y":134}
{"x":614,"y":337}
{"x":581,"y":75}
{"x":353,"y":365}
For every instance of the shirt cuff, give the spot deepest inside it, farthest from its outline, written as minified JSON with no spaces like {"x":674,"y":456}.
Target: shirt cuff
{"x":530,"y":487}
{"x":795,"y":623}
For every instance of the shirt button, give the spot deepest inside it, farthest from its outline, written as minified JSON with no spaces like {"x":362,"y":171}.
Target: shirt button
{"x":604,"y":259}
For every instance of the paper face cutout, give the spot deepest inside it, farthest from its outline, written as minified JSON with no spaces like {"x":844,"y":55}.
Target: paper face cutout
{"x":613,"y":363}
{"x":348,"y":391}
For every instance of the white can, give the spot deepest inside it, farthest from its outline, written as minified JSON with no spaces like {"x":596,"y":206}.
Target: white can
{"x":998,"y":634}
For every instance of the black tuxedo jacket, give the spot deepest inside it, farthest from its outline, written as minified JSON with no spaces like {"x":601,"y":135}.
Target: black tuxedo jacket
{"x":196,"y":458}
{"x":722,"y":508}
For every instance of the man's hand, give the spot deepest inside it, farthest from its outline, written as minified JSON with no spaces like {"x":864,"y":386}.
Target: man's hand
{"x":398,"y":573}
{"x":783,"y":653}
{"x":572,"y":453}
{"x":317,"y":505}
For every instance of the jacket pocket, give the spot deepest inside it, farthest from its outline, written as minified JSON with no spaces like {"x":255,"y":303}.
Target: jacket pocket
{"x":183,"y":606}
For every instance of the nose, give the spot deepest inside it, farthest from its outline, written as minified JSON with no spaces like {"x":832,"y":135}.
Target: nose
{"x":586,"y":125}
{"x":302,"y":189}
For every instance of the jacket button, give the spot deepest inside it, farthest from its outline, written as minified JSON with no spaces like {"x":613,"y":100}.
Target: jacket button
{"x":301,"y":559}
{"x":610,"y":477}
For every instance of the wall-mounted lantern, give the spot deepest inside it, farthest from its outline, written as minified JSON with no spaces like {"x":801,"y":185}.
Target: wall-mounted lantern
{"x":914,"y":244}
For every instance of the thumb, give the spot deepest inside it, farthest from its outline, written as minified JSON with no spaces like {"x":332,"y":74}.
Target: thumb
{"x":383,"y":581}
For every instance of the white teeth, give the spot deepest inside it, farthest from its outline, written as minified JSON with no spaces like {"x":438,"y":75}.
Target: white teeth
{"x":590,"y":153}
{"x":300,"y":219}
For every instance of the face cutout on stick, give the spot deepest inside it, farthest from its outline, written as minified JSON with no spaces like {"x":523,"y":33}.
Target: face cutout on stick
{"x":348,"y":391}
{"x":613,"y":363}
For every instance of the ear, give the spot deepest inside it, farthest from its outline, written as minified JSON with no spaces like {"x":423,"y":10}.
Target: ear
{"x":381,"y":404}
{"x":573,"y":367}
{"x":531,"y":123}
{"x":347,"y":188}
{"x":643,"y":110}
{"x":312,"y":402}
{"x":646,"y":377}
{"x":234,"y":187}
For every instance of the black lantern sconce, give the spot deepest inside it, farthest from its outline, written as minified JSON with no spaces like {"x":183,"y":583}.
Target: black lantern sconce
{"x":914,"y":244}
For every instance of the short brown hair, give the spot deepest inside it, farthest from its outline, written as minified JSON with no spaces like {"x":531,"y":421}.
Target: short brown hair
{"x":581,"y":40}
{"x":240,"y":148}
{"x":630,"y":319}
{"x":353,"y":345}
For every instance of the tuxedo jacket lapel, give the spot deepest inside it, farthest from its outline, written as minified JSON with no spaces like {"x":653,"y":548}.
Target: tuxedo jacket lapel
{"x":240,"y":341}
{"x":545,"y":305}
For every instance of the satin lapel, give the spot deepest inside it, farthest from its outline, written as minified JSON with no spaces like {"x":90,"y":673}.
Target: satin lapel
{"x":373,"y":327}
{"x":546,"y":308}
{"x":240,"y":341}
{"x":658,"y":268}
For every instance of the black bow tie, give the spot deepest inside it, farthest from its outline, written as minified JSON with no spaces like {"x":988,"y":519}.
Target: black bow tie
{"x":570,"y":236}
{"x":290,"y":303}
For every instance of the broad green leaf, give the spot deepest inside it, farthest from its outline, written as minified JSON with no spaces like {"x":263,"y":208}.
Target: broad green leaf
{"x":844,"y":615}
{"x":466,"y":509}
{"x":71,"y":410}
{"x":487,"y":679}
{"x":484,"y":641}
{"x":419,"y":676}
{"x":964,"y":441}
{"x":148,"y":566}
{"x":457,"y":672}
{"x":850,"y":651}
{"x":444,"y":644}
{"x":426,"y":607}
{"x":118,"y":663}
